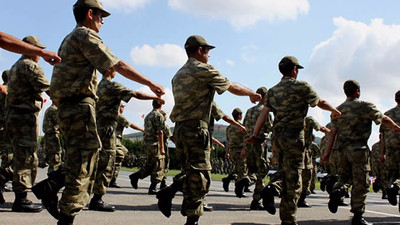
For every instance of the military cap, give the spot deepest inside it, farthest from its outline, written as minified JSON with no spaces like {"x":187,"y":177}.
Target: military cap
{"x":351,"y":85}
{"x":397,"y":96}
{"x":262,"y":91}
{"x":195,"y":41}
{"x":290,"y":60}
{"x":33,"y":41}
{"x":236,"y":112}
{"x":92,"y":4}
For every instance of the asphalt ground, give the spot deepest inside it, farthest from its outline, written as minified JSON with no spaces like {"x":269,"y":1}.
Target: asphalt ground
{"x":139,"y":208}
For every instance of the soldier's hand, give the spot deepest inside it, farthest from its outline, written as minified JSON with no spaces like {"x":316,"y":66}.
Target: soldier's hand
{"x":162,"y":151}
{"x":227,"y":155}
{"x":157,"y":89}
{"x":255,"y":97}
{"x":336,"y":114}
{"x":3,"y":89}
{"x":250,"y":139}
{"x":161,"y":101}
{"x":51,"y":57}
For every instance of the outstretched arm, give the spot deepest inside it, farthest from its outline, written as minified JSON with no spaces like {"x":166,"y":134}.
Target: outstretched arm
{"x":329,"y":145}
{"x":260,"y":122}
{"x":326,"y":106}
{"x":238,"y":89}
{"x":13,"y":44}
{"x":229,"y":120}
{"x":136,"y":127}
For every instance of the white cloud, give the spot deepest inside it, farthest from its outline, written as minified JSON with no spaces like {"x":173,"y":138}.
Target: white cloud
{"x":230,"y":62}
{"x":242,"y":13}
{"x":125,"y":5}
{"x":168,"y":55}
{"x":368,"y":53}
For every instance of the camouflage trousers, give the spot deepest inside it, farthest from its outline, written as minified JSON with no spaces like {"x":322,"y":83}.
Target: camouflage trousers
{"x":306,"y":173}
{"x":334,"y":162}
{"x":6,"y":150}
{"x":154,"y":165}
{"x":105,"y":168}
{"x":166,"y":162}
{"x":192,"y":142}
{"x":289,"y":149}
{"x":23,"y":129}
{"x":53,"y":151}
{"x":382,"y":174}
{"x":78,"y":126}
{"x":257,"y":166}
{"x":393,"y":165}
{"x":353,"y":171}
{"x":240,"y":165}
{"x":314,"y":178}
{"x":121,"y":151}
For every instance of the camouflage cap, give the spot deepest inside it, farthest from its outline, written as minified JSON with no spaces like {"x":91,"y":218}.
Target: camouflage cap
{"x":290,"y":60}
{"x":236,"y":112}
{"x":397,"y":96}
{"x":262,"y":91}
{"x":195,"y":41}
{"x":92,"y":4}
{"x":351,"y":85}
{"x":33,"y":41}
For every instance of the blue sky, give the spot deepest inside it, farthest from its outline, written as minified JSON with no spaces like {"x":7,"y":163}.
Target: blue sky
{"x":333,"y":40}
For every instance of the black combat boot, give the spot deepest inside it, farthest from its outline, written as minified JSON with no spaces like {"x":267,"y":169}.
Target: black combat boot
{"x":134,"y":177}
{"x":22,"y":204}
{"x":226,"y":181}
{"x":5,"y":176}
{"x":153,"y":188}
{"x":267,"y":195}
{"x":239,"y":187}
{"x":192,"y":220}
{"x":113,"y":183}
{"x":65,"y":220}
{"x":256,"y":205}
{"x":358,"y":219}
{"x":335,"y":198}
{"x":98,"y":204}
{"x":163,"y":184}
{"x":166,"y":195}
{"x":47,"y":191}
{"x":392,"y":192}
{"x":302,"y":203}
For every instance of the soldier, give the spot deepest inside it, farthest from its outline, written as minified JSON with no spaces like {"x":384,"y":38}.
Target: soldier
{"x":73,"y":87}
{"x":154,"y":126}
{"x":167,"y":135}
{"x":191,"y":114}
{"x":315,"y":153}
{"x":390,"y":147}
{"x":257,"y":162}
{"x":379,"y":169}
{"x":23,"y":103}
{"x":6,"y":148}
{"x":351,"y":132}
{"x":289,"y":101}
{"x":51,"y":139}
{"x":235,"y":138}
{"x":121,"y":150}
{"x":310,"y":124}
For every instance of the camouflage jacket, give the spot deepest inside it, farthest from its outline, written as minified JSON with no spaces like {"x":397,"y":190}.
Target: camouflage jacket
{"x":110,"y":95}
{"x":310,"y":124}
{"x":216,"y":114}
{"x":2,"y":111}
{"x":315,"y":151}
{"x":26,"y":82}
{"x":250,"y":120}
{"x":50,"y":124}
{"x":122,"y":123}
{"x":194,"y":86}
{"x":392,"y":140}
{"x":82,"y":52}
{"x":354,"y":126}
{"x":153,"y":123}
{"x":234,"y":136}
{"x":376,"y":152}
{"x":289,"y":101}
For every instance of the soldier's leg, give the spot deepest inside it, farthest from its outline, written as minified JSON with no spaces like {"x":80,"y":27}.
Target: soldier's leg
{"x":119,"y":157}
{"x":262,"y":171}
{"x":195,"y":187}
{"x":53,"y":152}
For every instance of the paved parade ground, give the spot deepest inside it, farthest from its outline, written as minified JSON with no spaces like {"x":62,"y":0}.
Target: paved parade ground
{"x":139,"y":208}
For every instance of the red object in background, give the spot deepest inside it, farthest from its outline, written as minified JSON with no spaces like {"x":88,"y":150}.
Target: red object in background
{"x":143,"y":116}
{"x":44,"y":100}
{"x":219,"y":128}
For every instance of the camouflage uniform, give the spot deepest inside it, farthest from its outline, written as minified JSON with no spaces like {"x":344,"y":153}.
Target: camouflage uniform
{"x":121,"y":150}
{"x":6,"y":148}
{"x":154,"y":165}
{"x":110,"y":95}
{"x":51,"y":139}
{"x":289,"y":101}
{"x":257,"y":162}
{"x":23,"y":102}
{"x":379,"y":169}
{"x":191,"y":114}
{"x":167,"y":135}
{"x":307,"y":173}
{"x":74,"y":86}
{"x":315,"y":153}
{"x":392,"y":145}
{"x":353,"y":131}
{"x":235,"y":138}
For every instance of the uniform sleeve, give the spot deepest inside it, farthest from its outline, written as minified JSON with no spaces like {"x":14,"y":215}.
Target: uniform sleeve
{"x":216,"y":112}
{"x":123,"y":121}
{"x":159,"y":123}
{"x":99,"y":55}
{"x":37,"y":78}
{"x":311,"y":96}
{"x":217,"y":82}
{"x":374,"y":114}
{"x":122,"y":92}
